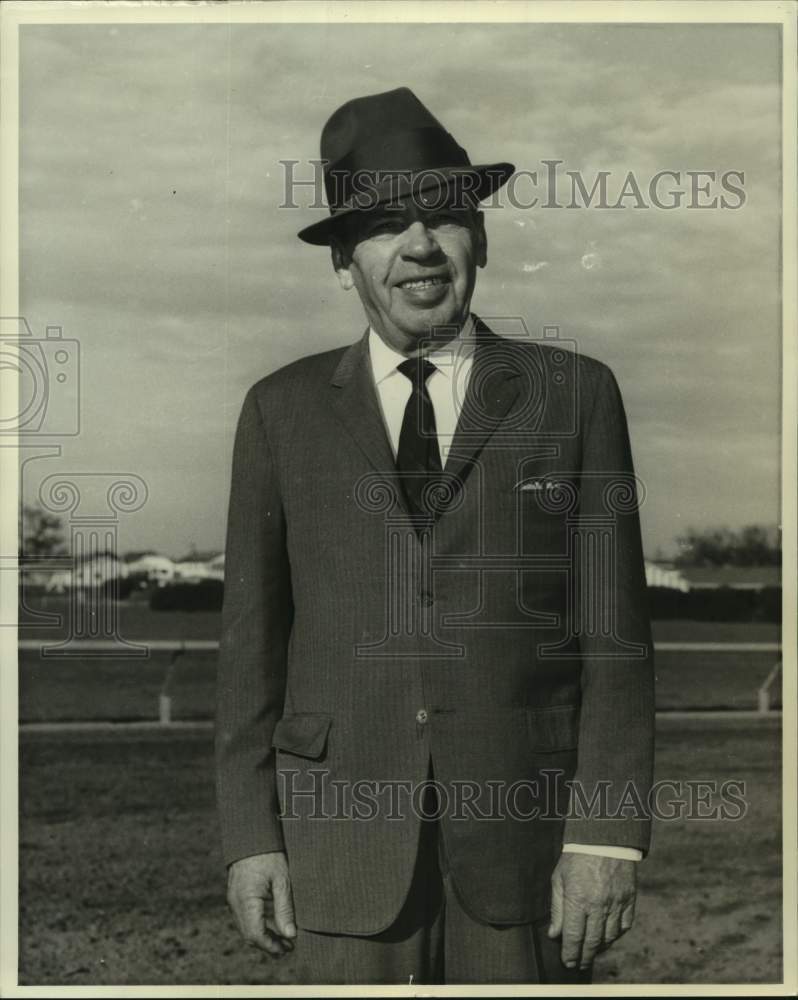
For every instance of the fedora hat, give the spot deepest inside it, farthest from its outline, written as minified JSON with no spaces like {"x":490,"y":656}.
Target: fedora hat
{"x":379,"y":148}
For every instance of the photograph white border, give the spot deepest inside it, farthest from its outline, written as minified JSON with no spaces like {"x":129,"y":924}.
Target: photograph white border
{"x":14,"y":14}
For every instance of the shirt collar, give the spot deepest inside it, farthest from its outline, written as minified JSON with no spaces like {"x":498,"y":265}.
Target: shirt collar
{"x":385,"y":360}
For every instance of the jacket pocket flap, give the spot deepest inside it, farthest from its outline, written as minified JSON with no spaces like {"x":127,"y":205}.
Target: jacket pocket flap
{"x":555,"y":728}
{"x":304,"y":733}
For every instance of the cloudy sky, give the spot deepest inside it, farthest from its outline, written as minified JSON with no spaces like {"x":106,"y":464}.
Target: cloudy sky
{"x":150,"y":231}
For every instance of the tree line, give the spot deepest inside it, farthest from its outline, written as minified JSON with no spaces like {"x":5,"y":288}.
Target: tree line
{"x":42,"y":534}
{"x":749,"y":546}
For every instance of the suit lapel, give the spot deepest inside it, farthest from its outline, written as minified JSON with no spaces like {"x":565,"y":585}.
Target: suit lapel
{"x":493,"y":387}
{"x":354,"y":402}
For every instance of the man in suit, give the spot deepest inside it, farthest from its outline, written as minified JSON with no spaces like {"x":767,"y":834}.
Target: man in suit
{"x":435,"y":695}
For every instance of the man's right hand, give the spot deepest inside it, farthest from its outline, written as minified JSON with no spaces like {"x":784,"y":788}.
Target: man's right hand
{"x":259,"y":894}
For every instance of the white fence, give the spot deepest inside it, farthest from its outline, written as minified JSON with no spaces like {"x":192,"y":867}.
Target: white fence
{"x":178,"y":647}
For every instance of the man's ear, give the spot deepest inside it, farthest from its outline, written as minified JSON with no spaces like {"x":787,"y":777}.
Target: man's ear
{"x":482,"y":239}
{"x":341,"y":262}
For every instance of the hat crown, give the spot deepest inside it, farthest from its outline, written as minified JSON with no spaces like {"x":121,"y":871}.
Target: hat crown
{"x":359,"y":120}
{"x":389,"y":146}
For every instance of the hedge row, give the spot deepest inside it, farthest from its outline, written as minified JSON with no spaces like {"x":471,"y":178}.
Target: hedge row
{"x":206,"y":595}
{"x":724,"y":604}
{"x":119,"y":588}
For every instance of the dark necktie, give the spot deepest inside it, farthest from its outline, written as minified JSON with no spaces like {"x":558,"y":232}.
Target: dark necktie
{"x":418,"y":459}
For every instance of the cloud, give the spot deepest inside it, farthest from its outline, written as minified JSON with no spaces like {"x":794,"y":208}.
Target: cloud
{"x":151,"y":230}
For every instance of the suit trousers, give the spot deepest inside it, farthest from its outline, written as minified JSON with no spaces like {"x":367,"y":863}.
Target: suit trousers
{"x":434,"y":940}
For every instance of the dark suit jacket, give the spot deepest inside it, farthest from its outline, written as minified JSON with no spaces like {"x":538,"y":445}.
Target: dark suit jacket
{"x":522,"y":632}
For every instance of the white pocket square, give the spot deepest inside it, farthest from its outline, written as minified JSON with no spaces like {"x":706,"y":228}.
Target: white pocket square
{"x":537,"y":485}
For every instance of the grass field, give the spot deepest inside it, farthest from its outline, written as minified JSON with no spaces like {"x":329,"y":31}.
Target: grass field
{"x":121,"y":878}
{"x":51,"y":689}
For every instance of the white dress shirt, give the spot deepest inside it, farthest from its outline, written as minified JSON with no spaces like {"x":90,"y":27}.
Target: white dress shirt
{"x":446,"y":386}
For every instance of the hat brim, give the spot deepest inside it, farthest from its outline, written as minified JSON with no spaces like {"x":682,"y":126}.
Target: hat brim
{"x":489,"y":178}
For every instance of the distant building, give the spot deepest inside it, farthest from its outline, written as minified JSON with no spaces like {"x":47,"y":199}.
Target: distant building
{"x":90,"y":571}
{"x":38,"y":572}
{"x":200,"y":566}
{"x":59,"y":582}
{"x":135,"y":555}
{"x":665,"y":575}
{"x":155,"y":568}
{"x":687,"y":578}
{"x":190,"y":572}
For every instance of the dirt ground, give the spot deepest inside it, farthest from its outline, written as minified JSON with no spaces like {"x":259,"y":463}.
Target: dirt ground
{"x":121,"y":879}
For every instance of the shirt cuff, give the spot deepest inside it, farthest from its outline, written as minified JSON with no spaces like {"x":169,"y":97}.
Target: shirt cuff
{"x":603,"y":851}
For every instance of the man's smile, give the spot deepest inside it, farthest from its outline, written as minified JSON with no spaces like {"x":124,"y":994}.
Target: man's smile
{"x":427,"y":290}
{"x":424,"y":282}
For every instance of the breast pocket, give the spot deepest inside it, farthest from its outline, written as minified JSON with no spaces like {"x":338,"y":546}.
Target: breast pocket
{"x":537,"y":517}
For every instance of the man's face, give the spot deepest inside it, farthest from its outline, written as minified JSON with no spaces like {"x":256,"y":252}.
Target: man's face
{"x":414,"y":268}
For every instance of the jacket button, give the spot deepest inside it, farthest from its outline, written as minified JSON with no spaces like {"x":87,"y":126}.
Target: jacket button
{"x":421,"y":716}
{"x":427,"y":600}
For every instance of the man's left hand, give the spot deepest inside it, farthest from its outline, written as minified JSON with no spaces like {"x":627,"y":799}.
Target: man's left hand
{"x":593,"y":903}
